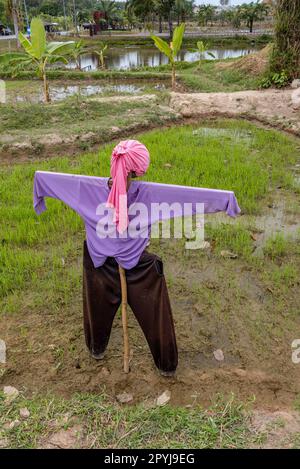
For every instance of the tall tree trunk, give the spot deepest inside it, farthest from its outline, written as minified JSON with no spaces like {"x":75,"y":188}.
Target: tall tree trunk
{"x":160,"y":24}
{"x":170,"y":24}
{"x":286,"y":53}
{"x":14,"y":13}
{"x":251,"y":25}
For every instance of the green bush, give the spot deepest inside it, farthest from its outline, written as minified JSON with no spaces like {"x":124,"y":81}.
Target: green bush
{"x":279,"y":80}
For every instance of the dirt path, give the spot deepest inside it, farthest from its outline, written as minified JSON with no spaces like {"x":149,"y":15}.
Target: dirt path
{"x":279,"y":108}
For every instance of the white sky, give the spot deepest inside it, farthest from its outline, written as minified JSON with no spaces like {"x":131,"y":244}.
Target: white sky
{"x":217,"y":2}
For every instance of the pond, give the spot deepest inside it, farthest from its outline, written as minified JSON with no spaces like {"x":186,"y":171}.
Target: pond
{"x":130,"y":57}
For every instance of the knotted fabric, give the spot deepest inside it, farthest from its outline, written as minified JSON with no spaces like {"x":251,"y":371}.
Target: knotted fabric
{"x":128,"y":156}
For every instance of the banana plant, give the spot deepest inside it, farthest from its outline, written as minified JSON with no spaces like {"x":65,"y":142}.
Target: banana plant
{"x":38,"y":53}
{"x":171,"y":50}
{"x":202,"y":49}
{"x":76,"y":52}
{"x":80,"y":49}
{"x":100,"y":53}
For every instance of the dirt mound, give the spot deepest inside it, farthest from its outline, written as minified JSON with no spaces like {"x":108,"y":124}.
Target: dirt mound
{"x":255,"y":64}
{"x":272,"y":107}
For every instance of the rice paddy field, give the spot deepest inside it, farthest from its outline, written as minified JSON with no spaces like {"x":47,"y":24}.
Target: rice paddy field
{"x":240,"y":295}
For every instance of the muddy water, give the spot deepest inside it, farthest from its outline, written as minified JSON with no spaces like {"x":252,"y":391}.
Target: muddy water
{"x":130,"y":57}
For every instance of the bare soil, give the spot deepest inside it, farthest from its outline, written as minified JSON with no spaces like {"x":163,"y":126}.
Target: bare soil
{"x":279,"y":109}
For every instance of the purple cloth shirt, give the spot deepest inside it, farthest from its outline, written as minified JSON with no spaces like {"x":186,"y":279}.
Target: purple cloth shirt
{"x":85,"y":194}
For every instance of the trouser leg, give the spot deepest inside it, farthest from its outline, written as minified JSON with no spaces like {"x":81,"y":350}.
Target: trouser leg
{"x":148,"y":298}
{"x":101,"y":300}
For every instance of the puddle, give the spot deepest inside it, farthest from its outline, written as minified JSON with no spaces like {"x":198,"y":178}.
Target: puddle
{"x":276,"y":220}
{"x":224,"y":134}
{"x":60,"y":92}
{"x":229,"y":133}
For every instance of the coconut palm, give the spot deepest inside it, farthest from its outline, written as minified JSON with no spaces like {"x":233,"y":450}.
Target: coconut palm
{"x":171,"y":50}
{"x":183,"y":9}
{"x":205,"y":14}
{"x":254,"y":11}
{"x":142,"y":8}
{"x":167,"y":7}
{"x":109,"y":8}
{"x":38,"y":53}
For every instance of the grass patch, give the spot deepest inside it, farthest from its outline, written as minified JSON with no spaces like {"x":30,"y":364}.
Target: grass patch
{"x":207,"y":77}
{"x":105,"y":424}
{"x":235,"y":238}
{"x":72,"y":110}
{"x":33,"y":247}
{"x":277,"y":246}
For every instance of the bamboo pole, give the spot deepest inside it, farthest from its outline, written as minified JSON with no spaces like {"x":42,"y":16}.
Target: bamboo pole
{"x":124,"y":318}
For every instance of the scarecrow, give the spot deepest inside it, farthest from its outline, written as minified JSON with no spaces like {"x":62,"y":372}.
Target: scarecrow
{"x":117,"y":268}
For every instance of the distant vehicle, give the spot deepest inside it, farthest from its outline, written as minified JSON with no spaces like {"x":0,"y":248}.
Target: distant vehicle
{"x":5,"y":30}
{"x":51,"y":27}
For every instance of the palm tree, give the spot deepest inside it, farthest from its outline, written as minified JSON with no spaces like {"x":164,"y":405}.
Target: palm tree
{"x":183,"y":8}
{"x":142,"y":8}
{"x":206,"y":14}
{"x":13,"y":11}
{"x":109,"y":8}
{"x":159,"y":10}
{"x":167,"y":9}
{"x":254,"y":11}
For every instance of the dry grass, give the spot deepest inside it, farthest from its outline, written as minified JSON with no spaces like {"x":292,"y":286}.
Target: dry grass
{"x":254,"y":64}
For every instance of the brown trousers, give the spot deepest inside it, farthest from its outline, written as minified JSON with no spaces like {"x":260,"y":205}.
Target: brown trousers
{"x":147,"y":296}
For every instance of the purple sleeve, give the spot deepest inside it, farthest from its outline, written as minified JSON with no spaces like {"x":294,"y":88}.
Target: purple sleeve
{"x":214,"y":200}
{"x":64,"y":187}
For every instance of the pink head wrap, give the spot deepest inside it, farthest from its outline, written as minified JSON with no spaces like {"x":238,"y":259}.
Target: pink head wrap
{"x":129,"y":155}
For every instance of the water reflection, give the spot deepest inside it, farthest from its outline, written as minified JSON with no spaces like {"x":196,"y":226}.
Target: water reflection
{"x":133,"y":57}
{"x":60,"y":92}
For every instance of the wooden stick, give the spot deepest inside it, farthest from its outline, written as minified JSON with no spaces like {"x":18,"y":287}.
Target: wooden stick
{"x":124,"y":318}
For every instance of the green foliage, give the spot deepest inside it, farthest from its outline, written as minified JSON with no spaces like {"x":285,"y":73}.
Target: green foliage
{"x":177,"y":39}
{"x":171,"y":50}
{"x":254,"y":11}
{"x":286,"y":52}
{"x":38,"y":53}
{"x":206,"y":13}
{"x":276,"y":246}
{"x":279,"y":80}
{"x":2,"y":12}
{"x":202,"y":47}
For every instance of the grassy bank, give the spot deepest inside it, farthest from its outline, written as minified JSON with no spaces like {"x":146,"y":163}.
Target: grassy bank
{"x":75,"y":123}
{"x":102,"y":423}
{"x":206,"y":76}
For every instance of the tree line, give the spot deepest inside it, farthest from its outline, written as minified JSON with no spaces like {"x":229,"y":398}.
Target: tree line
{"x":147,"y":14}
